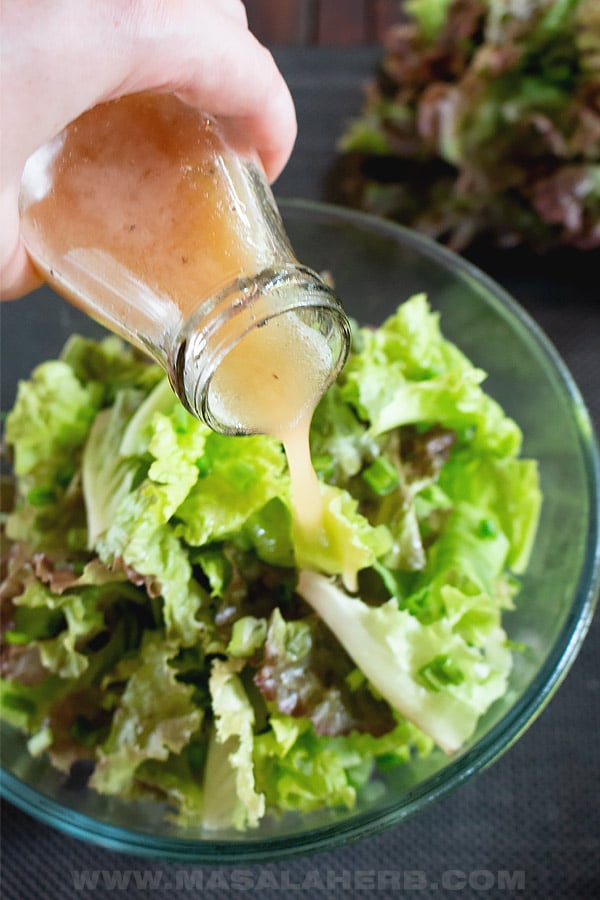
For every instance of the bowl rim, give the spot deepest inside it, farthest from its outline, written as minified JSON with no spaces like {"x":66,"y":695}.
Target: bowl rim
{"x":501,"y":736}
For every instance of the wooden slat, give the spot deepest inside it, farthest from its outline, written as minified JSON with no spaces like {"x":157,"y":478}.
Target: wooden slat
{"x":323,"y":22}
{"x":385,"y":14}
{"x":282,"y":21}
{"x":341,"y":23}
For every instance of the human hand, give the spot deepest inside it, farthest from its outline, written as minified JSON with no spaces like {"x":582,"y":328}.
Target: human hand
{"x":61,"y":57}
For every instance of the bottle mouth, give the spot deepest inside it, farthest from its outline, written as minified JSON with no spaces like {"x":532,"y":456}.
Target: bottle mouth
{"x":285,"y":324}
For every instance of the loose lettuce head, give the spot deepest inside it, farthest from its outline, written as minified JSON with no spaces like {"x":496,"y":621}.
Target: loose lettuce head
{"x":483,"y":119}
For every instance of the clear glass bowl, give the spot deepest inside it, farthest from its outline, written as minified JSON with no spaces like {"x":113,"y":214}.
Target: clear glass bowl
{"x":376,"y":265}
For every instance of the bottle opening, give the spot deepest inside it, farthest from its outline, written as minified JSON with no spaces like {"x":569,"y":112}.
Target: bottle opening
{"x":259,"y":361}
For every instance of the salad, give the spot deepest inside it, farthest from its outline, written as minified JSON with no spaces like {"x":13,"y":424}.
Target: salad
{"x":156,"y":627}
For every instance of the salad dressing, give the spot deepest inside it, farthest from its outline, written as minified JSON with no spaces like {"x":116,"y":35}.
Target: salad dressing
{"x":270,"y":383}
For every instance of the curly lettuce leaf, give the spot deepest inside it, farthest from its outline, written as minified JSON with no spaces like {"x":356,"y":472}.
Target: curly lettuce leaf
{"x":482,"y":122}
{"x":138,"y":433}
{"x":236,"y":477}
{"x":140,"y":538}
{"x":430,"y":14}
{"x":81,"y":617}
{"x":305,"y":673}
{"x":177,"y":781}
{"x":408,"y":372}
{"x":136,"y":525}
{"x":339,"y":442}
{"x":109,"y":365}
{"x":49,"y":422}
{"x":177,"y":446}
{"x":506,"y":492}
{"x":46,"y":430}
{"x":26,"y":706}
{"x":296,"y":768}
{"x":231,"y":797}
{"x":156,"y":716}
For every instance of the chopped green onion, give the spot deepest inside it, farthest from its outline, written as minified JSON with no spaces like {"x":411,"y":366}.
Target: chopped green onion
{"x":16,"y":637}
{"x":382,"y":477}
{"x":248,"y":635}
{"x":41,"y":496}
{"x":487,"y":528}
{"x":439,"y":672}
{"x":16,"y":702}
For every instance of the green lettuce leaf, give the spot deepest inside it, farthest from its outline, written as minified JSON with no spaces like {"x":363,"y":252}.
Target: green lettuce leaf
{"x":177,"y":781}
{"x":177,"y":446}
{"x":109,"y":365}
{"x":26,"y":706}
{"x":430,"y":14}
{"x":400,"y":657}
{"x":237,"y":477}
{"x":469,"y":552}
{"x":81,"y":618}
{"x":339,"y":442}
{"x":408,"y":372}
{"x":296,"y":768}
{"x":507,"y":494}
{"x":46,"y":430}
{"x":139,"y":429}
{"x":234,"y":796}
{"x":106,"y":476}
{"x":49,"y":422}
{"x":139,"y":530}
{"x":247,"y":636}
{"x":140,"y":538}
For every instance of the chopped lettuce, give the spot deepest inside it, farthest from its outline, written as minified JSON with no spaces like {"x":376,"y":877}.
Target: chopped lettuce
{"x":165,"y":620}
{"x":47,"y":428}
{"x":299,"y":676}
{"x":148,"y":546}
{"x":49,"y":422}
{"x":505,"y":490}
{"x":108,"y":366}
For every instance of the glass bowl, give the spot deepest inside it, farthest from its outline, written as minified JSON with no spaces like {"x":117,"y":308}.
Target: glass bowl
{"x":376,"y":265}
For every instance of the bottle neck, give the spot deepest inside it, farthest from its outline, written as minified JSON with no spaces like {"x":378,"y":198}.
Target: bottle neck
{"x":261,"y":351}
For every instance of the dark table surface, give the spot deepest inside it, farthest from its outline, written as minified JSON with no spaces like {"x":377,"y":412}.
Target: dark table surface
{"x":535,"y":814}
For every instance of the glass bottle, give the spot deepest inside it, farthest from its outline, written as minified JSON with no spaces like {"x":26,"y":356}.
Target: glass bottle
{"x":143,"y":216}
